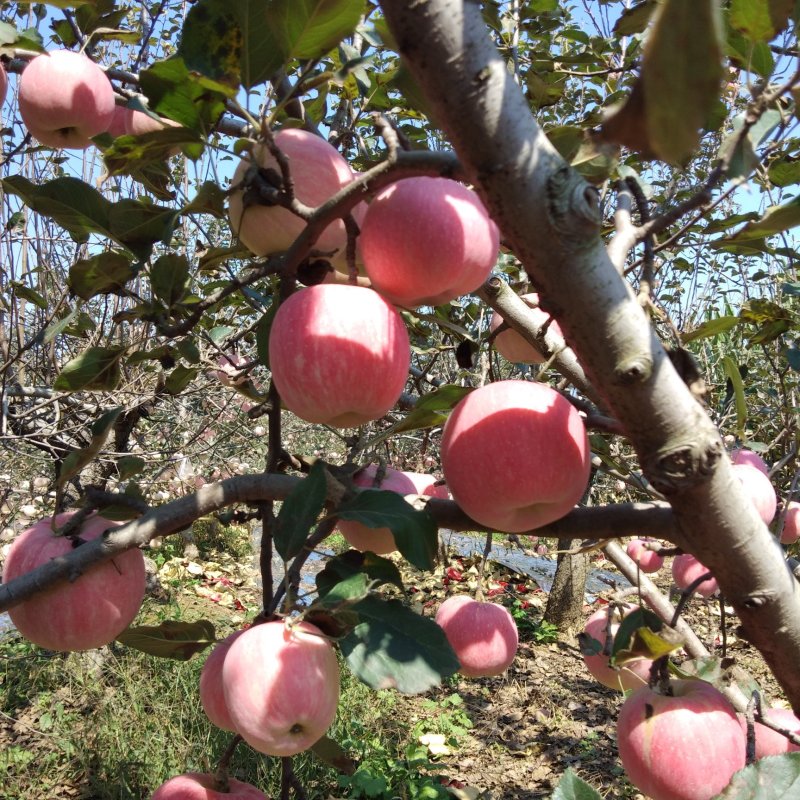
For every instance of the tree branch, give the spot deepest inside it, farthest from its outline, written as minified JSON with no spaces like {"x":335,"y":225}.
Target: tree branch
{"x":550,"y":218}
{"x":603,"y":521}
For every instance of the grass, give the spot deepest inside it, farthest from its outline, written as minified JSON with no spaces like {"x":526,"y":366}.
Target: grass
{"x":73,"y":725}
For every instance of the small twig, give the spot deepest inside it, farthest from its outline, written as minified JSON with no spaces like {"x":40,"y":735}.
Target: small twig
{"x":686,"y":595}
{"x":221,"y":782}
{"x":625,"y":238}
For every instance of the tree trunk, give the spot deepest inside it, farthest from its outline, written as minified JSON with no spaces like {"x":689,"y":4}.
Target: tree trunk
{"x":565,"y":602}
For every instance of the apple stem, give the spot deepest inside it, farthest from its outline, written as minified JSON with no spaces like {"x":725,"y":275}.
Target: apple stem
{"x":221,"y":783}
{"x":289,"y":781}
{"x":753,"y":708}
{"x":482,"y":567}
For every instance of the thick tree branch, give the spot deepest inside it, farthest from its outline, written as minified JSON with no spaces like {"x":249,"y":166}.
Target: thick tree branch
{"x":550,"y":218}
{"x":597,"y":521}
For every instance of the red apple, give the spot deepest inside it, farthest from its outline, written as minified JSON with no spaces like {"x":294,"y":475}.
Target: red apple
{"x":628,"y":676}
{"x":119,"y":120}
{"x":65,"y":99}
{"x":426,"y":241}
{"x":791,"y":523}
{"x":281,"y":686}
{"x":90,"y":611}
{"x":200,"y":786}
{"x":318,"y":172}
{"x":742,"y":456}
{"x":685,"y":745}
{"x":378,"y":540}
{"x":515,"y":455}
{"x":772,"y":743}
{"x":482,"y":635}
{"x":339,"y":355}
{"x":686,"y":569}
{"x":511,"y":345}
{"x":648,"y":560}
{"x":137,"y":123}
{"x":229,"y":373}
{"x":759,"y":489}
{"x":212,"y":697}
{"x":427,"y":485}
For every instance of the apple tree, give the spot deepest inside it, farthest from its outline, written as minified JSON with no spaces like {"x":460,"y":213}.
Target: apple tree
{"x":250,"y":248}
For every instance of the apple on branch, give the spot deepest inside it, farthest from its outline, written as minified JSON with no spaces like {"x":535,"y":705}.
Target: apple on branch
{"x":515,"y":455}
{"x":381,"y":540}
{"x":772,"y":743}
{"x":200,"y":786}
{"x":65,"y":99}
{"x":601,"y":624}
{"x":86,"y":613}
{"x":791,"y":523}
{"x":339,"y":354}
{"x":686,"y":569}
{"x":280,"y":682}
{"x":682,"y":743}
{"x":212,"y":697}
{"x":759,"y":489}
{"x":318,"y":172}
{"x":511,"y":345}
{"x":426,"y":241}
{"x":483,"y":635}
{"x":648,"y":560}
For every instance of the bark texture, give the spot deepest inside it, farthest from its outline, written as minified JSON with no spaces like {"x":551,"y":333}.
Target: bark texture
{"x":549,"y":216}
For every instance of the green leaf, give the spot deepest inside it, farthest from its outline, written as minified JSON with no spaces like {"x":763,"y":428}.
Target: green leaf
{"x":415,"y":533}
{"x":105,"y":273}
{"x":262,"y":334}
{"x":392,"y":647}
{"x":732,"y":372}
{"x":760,"y":20}
{"x":82,"y":210}
{"x":310,"y":28}
{"x":792,"y":356}
{"x":770,"y":778}
{"x":379,"y":570}
{"x":744,"y":159}
{"x":172,"y":91}
{"x":299,"y":512}
{"x":211,"y":41}
{"x":95,"y":369}
{"x":775,"y":220}
{"x":784,"y":171}
{"x":180,"y":378}
{"x":674,"y":97}
{"x":346,"y":592}
{"x":188,"y":349}
{"x":171,"y":639}
{"x":571,"y":787}
{"x":128,"y":466}
{"x":634,"y":19}
{"x":78,"y":459}
{"x":333,"y":754}
{"x":210,"y":199}
{"x":749,"y":55}
{"x":771,"y":318}
{"x":429,"y":409}
{"x":26,"y":293}
{"x":169,"y":277}
{"x":711,"y":327}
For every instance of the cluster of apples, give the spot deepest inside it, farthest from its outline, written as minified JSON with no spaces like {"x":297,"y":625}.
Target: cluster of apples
{"x":65,"y":99}
{"x":340,"y":354}
{"x":683,"y":741}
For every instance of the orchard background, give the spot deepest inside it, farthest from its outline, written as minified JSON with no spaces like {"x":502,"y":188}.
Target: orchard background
{"x":640,"y":162}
